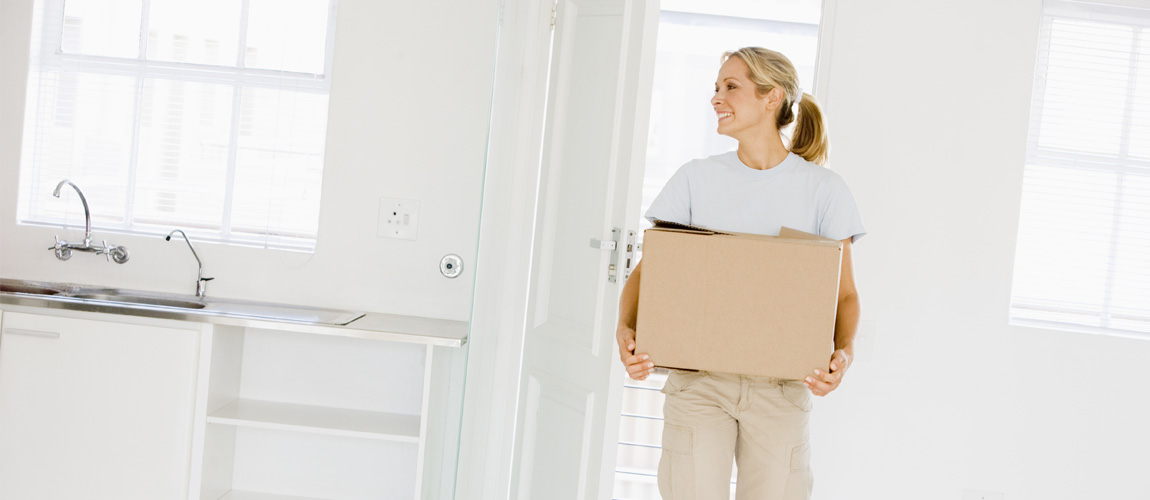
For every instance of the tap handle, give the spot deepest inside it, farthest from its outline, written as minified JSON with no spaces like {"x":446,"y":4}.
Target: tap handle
{"x":119,"y":254}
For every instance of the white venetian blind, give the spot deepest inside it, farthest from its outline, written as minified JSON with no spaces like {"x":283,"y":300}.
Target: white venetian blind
{"x":209,"y":116}
{"x":1083,"y":256}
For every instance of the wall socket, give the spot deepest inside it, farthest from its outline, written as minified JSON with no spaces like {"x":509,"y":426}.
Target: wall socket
{"x":982,"y":495}
{"x":398,"y":219}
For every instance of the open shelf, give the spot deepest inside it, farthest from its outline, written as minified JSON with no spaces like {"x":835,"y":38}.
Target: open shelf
{"x":316,"y":420}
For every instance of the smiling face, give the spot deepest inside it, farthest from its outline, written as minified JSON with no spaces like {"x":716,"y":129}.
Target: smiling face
{"x":742,"y":111}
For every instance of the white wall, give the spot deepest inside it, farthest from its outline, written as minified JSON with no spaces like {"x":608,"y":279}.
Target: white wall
{"x":928,"y":104}
{"x":410,"y":100}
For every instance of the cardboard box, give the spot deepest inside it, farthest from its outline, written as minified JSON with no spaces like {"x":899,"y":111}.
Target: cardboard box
{"x":738,"y":303}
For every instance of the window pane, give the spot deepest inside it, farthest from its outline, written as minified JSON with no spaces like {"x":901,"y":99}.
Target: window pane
{"x":101,"y":28}
{"x":1064,"y":236}
{"x":1085,"y":93}
{"x":1131,"y":295}
{"x":182,"y":171}
{"x":276,"y":194}
{"x":201,"y":32}
{"x":1141,"y":106}
{"x":279,"y":168}
{"x":288,"y":35}
{"x":84,"y":134}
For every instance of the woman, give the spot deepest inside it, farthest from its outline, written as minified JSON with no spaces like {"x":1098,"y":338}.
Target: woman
{"x":762,"y":422}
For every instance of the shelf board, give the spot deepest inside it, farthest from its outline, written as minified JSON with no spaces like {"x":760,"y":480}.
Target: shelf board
{"x":252,"y":495}
{"x":318,"y":420}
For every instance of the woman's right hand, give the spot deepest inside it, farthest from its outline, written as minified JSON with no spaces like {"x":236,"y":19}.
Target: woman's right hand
{"x":638,"y":365}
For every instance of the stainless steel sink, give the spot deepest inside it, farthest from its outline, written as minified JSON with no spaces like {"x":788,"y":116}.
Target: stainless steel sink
{"x":141,"y":299}
{"x":10,"y":286}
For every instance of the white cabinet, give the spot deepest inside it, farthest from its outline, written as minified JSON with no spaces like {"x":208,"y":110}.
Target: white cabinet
{"x":95,"y":409}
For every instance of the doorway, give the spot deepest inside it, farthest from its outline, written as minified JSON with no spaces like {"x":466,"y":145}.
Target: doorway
{"x":691,"y":38}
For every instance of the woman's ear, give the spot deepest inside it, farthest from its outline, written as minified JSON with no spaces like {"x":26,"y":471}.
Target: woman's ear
{"x":775,"y":98}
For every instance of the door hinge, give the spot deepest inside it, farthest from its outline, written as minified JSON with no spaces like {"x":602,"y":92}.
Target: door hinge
{"x":554,"y":14}
{"x":622,"y":253}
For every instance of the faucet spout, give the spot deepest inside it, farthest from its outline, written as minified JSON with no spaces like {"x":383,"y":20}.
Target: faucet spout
{"x":201,"y":281}
{"x":87,"y":213}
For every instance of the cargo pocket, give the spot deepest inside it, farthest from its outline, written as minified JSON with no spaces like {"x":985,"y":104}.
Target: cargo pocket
{"x":800,"y":480}
{"x":797,"y":394}
{"x":801,"y":458}
{"x":678,"y":380}
{"x":677,"y":438}
{"x":677,"y":466}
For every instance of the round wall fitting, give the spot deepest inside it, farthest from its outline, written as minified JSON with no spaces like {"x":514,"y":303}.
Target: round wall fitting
{"x":451,"y":265}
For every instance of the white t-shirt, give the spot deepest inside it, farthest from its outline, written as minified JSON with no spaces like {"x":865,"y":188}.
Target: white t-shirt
{"x":721,"y":193}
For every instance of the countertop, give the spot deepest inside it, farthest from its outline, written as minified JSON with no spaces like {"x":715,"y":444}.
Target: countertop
{"x":378,"y":326}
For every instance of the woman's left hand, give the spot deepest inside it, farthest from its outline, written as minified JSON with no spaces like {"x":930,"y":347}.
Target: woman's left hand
{"x":822,"y":383}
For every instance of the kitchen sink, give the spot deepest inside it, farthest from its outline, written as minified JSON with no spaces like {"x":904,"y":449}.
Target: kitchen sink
{"x":7,"y":286}
{"x":133,"y":298}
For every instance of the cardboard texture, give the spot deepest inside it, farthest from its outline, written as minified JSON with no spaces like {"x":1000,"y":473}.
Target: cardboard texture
{"x":738,"y":303}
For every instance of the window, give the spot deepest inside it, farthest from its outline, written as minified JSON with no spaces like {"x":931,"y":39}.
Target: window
{"x":209,"y":116}
{"x":692,"y":37}
{"x":1083,"y":255}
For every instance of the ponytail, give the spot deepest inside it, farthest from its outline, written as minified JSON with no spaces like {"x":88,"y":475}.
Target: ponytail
{"x":809,"y":139}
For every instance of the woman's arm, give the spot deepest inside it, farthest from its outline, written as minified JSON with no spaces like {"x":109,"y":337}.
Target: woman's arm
{"x":820,"y":382}
{"x":638,"y":367}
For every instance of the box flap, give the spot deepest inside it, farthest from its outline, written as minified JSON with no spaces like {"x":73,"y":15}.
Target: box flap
{"x":675,"y":226}
{"x":784,"y":232}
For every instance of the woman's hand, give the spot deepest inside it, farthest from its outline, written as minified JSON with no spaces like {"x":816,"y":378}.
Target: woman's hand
{"x":638,"y":366}
{"x":822,"y":383}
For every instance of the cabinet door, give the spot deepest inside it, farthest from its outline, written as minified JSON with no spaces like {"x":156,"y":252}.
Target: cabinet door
{"x":95,"y":409}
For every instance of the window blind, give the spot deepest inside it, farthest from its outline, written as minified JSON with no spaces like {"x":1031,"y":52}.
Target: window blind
{"x":1083,"y":255}
{"x":208,"y":116}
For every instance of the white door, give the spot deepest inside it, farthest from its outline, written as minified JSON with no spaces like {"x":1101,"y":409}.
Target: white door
{"x":594,"y":143}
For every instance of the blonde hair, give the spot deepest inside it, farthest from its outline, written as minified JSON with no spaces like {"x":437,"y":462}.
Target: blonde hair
{"x":770,"y":69}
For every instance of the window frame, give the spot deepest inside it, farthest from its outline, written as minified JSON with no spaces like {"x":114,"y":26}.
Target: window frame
{"x":1122,"y":165}
{"x":50,"y":57}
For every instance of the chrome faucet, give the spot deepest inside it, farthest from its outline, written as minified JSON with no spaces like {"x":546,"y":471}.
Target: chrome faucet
{"x":63,"y":249}
{"x":87,"y":213}
{"x":201,"y":281}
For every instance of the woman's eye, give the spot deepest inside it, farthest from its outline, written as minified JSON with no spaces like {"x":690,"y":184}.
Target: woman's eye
{"x":730,"y":87}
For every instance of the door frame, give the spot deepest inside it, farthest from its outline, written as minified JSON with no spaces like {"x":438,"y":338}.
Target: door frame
{"x":510,"y":191}
{"x":507,"y":219}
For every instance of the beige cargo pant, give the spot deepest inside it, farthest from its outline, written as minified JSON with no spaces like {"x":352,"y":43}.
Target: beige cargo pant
{"x":762,"y":422}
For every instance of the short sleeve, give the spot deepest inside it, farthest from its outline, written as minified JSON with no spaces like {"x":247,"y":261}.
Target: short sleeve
{"x":673,"y":203}
{"x":839,"y":218}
